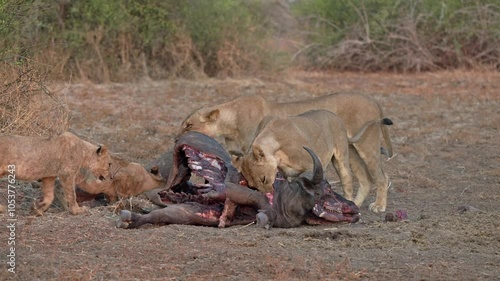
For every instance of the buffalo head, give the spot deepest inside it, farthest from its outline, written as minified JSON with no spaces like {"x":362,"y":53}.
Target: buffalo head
{"x":308,"y":198}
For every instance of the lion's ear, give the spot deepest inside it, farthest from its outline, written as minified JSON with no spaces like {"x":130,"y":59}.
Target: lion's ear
{"x":101,"y":149}
{"x":258,"y":153}
{"x":236,"y":158}
{"x":237,"y":153}
{"x":211,"y":116}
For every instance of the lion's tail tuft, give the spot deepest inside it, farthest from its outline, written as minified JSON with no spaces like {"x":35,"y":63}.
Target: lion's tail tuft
{"x":387,"y":121}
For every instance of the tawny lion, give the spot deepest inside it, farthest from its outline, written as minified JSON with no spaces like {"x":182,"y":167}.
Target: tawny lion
{"x":235,"y":124}
{"x":34,"y":158}
{"x":127,"y":179}
{"x":278,"y":144}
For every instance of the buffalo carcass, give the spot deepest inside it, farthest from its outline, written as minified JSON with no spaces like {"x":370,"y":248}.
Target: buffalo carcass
{"x":223,"y":199}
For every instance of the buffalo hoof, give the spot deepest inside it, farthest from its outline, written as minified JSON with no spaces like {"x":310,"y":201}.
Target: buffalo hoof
{"x":125,"y":218}
{"x":263,"y":221}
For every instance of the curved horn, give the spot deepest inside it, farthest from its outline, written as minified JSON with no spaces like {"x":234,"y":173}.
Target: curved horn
{"x":317,"y":168}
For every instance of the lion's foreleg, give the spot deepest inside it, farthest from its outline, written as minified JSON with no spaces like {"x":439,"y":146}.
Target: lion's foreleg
{"x":340,"y":160}
{"x":68,"y":186}
{"x":42,"y":204}
{"x":369,"y":151}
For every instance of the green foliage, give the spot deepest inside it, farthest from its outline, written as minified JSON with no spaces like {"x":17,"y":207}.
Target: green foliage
{"x":116,"y":39}
{"x":382,"y":34}
{"x":215,"y":25}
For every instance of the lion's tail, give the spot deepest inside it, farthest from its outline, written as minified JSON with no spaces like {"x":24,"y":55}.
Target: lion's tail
{"x":387,"y":138}
{"x":385,"y":134}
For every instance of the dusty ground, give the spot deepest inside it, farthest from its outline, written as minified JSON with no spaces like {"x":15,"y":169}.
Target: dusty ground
{"x":446,"y":136}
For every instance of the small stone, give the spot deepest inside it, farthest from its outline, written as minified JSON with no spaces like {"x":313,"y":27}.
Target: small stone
{"x":398,"y":215}
{"x":390,"y":217}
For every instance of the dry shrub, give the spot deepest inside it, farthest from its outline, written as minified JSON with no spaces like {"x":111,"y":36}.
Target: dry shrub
{"x":414,"y":41}
{"x":185,"y":59}
{"x":27,"y":106}
{"x":232,"y":60}
{"x":402,"y":49}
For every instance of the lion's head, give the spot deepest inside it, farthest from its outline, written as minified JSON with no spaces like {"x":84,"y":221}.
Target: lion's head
{"x":258,"y":168}
{"x":203,"y":120}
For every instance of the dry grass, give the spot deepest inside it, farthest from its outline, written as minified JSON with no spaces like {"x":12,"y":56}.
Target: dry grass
{"x":27,"y":106}
{"x":413,"y":42}
{"x":439,"y":166}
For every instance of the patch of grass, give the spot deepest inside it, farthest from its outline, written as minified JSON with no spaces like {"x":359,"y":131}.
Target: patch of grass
{"x":27,"y":106}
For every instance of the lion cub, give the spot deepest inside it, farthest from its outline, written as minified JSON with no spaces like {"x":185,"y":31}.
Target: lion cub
{"x":127,"y":179}
{"x":278,"y":145}
{"x":33,"y":158}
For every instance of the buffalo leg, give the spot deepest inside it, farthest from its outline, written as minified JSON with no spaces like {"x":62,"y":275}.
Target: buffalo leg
{"x":187,"y":213}
{"x":227,"y":213}
{"x":240,"y":195}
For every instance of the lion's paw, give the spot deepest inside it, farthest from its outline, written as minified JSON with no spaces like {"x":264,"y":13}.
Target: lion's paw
{"x":376,"y":208}
{"x":39,"y":207}
{"x":79,"y":210}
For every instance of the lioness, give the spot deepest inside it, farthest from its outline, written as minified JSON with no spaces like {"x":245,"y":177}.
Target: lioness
{"x":33,"y":158}
{"x":127,"y":179}
{"x":235,"y":123}
{"x":279,"y":142}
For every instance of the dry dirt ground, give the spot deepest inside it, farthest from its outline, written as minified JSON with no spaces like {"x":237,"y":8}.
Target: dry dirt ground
{"x":446,"y":175}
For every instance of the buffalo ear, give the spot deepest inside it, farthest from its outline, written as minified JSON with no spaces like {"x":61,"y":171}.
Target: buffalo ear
{"x":309,"y":187}
{"x":211,"y":116}
{"x":154,"y":170}
{"x":258,"y":153}
{"x":101,"y":149}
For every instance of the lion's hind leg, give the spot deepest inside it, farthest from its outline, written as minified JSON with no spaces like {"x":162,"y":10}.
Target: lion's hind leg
{"x":361,"y":173}
{"x":42,"y":204}
{"x":369,"y":150}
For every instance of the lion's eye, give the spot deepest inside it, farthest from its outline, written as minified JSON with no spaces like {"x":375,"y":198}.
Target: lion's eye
{"x":263,"y":180}
{"x":189,"y":126}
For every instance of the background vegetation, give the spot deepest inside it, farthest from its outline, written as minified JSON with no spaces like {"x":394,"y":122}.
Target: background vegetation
{"x":122,"y":40}
{"x":400,"y":35}
{"x":117,"y":40}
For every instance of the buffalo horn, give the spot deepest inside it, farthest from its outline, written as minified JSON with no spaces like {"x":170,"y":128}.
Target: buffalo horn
{"x":317,"y":176}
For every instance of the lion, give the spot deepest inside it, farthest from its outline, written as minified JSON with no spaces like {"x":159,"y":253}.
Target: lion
{"x":32,"y":158}
{"x":235,"y":123}
{"x":127,"y":179}
{"x":278,"y":146}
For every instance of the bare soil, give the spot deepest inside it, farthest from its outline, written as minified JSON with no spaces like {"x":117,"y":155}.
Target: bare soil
{"x":446,"y":175}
